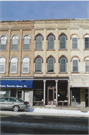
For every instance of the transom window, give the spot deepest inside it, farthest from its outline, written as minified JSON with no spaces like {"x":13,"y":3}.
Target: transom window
{"x":50,"y":65}
{"x":86,"y":42}
{"x":2,"y":65}
{"x":26,"y":42}
{"x":39,"y":42}
{"x":62,"y":42}
{"x":63,"y":65}
{"x":74,"y":42}
{"x":87,"y":65}
{"x":75,"y":64}
{"x":50,"y":42}
{"x":14,"y":43}
{"x":13,"y":65}
{"x":25,"y":65}
{"x":38,"y":65}
{"x":3,"y":43}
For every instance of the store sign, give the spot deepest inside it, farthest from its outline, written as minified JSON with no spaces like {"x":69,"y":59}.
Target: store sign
{"x":16,"y":83}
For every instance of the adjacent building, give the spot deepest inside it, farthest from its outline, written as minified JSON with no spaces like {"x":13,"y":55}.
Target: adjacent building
{"x":45,"y":62}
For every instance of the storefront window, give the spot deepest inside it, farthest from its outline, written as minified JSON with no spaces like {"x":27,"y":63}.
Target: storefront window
{"x":4,"y":93}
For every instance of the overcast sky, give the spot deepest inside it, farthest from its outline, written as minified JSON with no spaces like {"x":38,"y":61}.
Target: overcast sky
{"x":30,"y":10}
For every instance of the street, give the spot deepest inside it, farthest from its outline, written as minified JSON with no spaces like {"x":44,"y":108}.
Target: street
{"x":36,"y":124}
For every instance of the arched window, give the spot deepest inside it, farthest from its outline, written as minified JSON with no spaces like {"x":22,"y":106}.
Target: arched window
{"x":26,"y":42}
{"x":87,"y":64}
{"x":25,"y":65}
{"x":39,"y":42}
{"x":2,"y":65}
{"x":50,"y":65}
{"x":3,"y":43}
{"x":62,"y":42}
{"x":74,"y":42}
{"x":13,"y":65}
{"x":86,"y":42}
{"x":15,"y":42}
{"x":50,"y":42}
{"x":75,"y":64}
{"x":38,"y":65}
{"x":62,"y":64}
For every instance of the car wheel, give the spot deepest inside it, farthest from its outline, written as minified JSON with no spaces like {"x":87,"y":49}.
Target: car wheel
{"x":15,"y":108}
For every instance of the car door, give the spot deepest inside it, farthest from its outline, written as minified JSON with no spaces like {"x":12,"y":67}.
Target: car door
{"x":9,"y":103}
{"x":2,"y":103}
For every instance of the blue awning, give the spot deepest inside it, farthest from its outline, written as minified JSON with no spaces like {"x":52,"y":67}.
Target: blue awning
{"x":16,"y":83}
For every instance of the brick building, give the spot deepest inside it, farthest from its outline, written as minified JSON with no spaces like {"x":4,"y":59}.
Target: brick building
{"x":45,"y":61}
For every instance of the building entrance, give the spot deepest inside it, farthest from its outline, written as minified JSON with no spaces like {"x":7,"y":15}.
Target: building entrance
{"x":51,"y":96}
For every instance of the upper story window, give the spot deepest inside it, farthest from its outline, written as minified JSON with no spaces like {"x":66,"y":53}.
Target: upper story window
{"x":86,"y":42}
{"x":13,"y":65}
{"x":39,"y":42}
{"x":50,"y":42}
{"x":38,"y":65}
{"x":2,"y":65}
{"x":62,"y":42}
{"x":25,"y":65}
{"x":87,"y":64}
{"x":75,"y":64}
{"x":26,"y":43}
{"x":15,"y":42}
{"x":62,"y":64}
{"x":3,"y":43}
{"x":50,"y":65}
{"x":74,"y":42}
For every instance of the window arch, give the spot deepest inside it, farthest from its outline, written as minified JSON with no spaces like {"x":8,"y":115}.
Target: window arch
{"x":87,"y":64}
{"x":50,"y":42}
{"x":15,"y":42}
{"x":3,"y":41}
{"x":38,"y":65}
{"x":86,"y":41}
{"x":25,"y":65}
{"x":50,"y":65}
{"x":74,"y":42}
{"x":75,"y":64}
{"x":2,"y":64}
{"x":63,"y":64}
{"x":62,"y":42}
{"x":26,"y":42}
{"x":13,"y":65}
{"x":38,"y":42}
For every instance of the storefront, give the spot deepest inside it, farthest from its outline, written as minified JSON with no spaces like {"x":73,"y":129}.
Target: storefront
{"x":17,"y":88}
{"x":51,"y":91}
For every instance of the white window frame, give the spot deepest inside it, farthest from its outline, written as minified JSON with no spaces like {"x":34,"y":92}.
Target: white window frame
{"x":75,"y":58}
{"x":86,"y":36}
{"x":3,"y":38}
{"x":25,"y":60}
{"x":15,"y":37}
{"x":74,"y":36}
{"x":3,"y":60}
{"x":26,"y":37}
{"x":13,"y":60}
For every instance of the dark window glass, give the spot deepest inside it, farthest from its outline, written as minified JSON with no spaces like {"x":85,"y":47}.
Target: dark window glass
{"x":74,"y":43}
{"x":62,"y":42}
{"x":75,"y":65}
{"x":50,"y":42}
{"x":38,"y":42}
{"x":14,"y":44}
{"x":26,"y":44}
{"x":38,"y":65}
{"x":87,"y":43}
{"x":62,"y":65}
{"x":87,"y":66}
{"x":50,"y":65}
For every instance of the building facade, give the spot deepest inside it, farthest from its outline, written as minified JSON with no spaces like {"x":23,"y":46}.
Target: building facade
{"x":47,"y":61}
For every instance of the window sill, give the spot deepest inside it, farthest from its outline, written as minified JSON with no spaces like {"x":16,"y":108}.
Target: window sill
{"x":50,"y":49}
{"x":75,"y":72}
{"x":14,"y":50}
{"x":12,"y":73}
{"x":25,"y":73}
{"x":62,"y":49}
{"x":63,"y":73}
{"x":86,"y":49}
{"x":50,"y":73}
{"x":3,"y":73}
{"x":86,"y":72}
{"x":3,"y":50}
{"x":26,"y":50}
{"x":39,"y":50}
{"x":38,"y":72}
{"x":74,"y":49}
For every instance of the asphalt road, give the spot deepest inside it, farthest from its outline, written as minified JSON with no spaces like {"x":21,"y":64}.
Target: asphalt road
{"x":34,"y":124}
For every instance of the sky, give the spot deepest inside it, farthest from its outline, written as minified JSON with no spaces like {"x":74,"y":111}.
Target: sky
{"x":33,"y":10}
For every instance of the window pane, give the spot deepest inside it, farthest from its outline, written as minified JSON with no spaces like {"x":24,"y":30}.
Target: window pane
{"x":3,"y":47}
{"x":87,"y":68}
{"x":38,"y":61}
{"x":62,"y":68}
{"x":75,"y":68}
{"x":13,"y":67}
{"x":62,"y":38}
{"x":2,"y":67}
{"x":74,"y":45}
{"x":50,"y":38}
{"x":26,"y":41}
{"x":50,"y":61}
{"x":3,"y":42}
{"x":50,"y":68}
{"x":38,"y":39}
{"x":14,"y":41}
{"x":62,"y":45}
{"x":50,"y":45}
{"x":75,"y":62}
{"x":25,"y":67}
{"x":86,"y":39}
{"x":14,"y":47}
{"x":86,"y":45}
{"x":39,"y":45}
{"x":26,"y":46}
{"x":38,"y":68}
{"x":63,"y":61}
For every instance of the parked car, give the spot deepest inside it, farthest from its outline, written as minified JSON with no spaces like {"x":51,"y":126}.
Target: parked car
{"x":11,"y":103}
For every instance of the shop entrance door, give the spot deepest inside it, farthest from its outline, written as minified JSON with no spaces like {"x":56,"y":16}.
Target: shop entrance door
{"x":51,"y":96}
